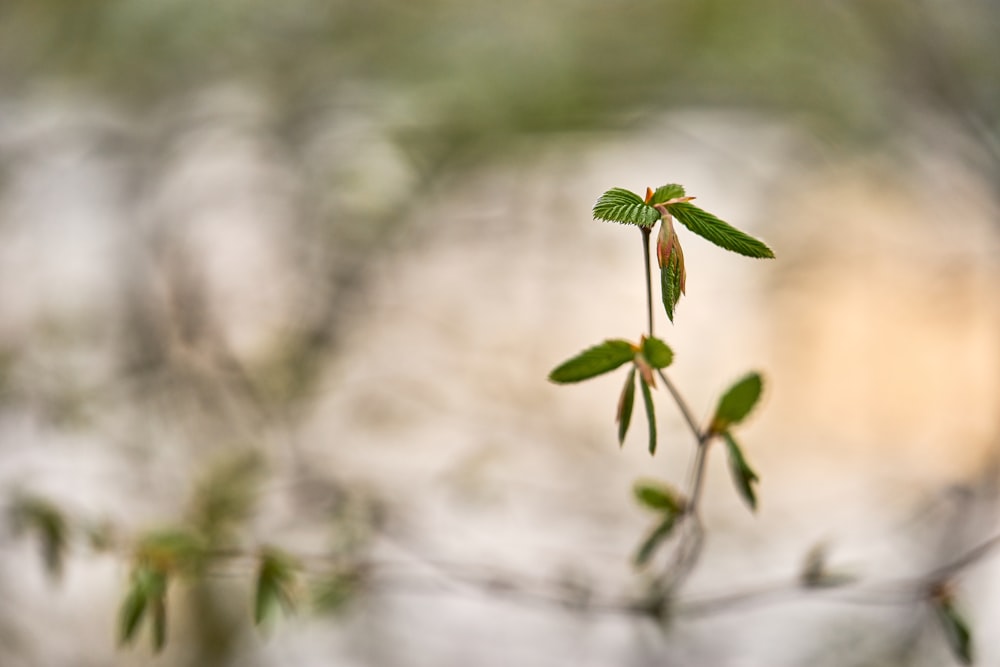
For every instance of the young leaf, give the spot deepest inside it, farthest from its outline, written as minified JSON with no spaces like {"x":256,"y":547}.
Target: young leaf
{"x":620,"y":205}
{"x":956,"y":630}
{"x":743,"y":476}
{"x":656,"y":352}
{"x":665,"y":193}
{"x":658,"y":497}
{"x":670,"y":257}
{"x":275,"y":579}
{"x":654,"y":539}
{"x":594,"y":361}
{"x":625,"y":406}
{"x":647,"y":399}
{"x":720,"y":233}
{"x":738,"y":401}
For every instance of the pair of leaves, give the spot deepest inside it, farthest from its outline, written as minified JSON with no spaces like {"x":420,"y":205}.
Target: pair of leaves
{"x":668,"y":504}
{"x":48,"y":523}
{"x":624,"y":206}
{"x":734,"y":406}
{"x":955,"y":628}
{"x":651,"y":354}
{"x":276,"y":578}
{"x":146,"y":595}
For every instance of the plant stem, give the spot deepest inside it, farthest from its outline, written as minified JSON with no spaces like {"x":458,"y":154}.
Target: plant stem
{"x":682,"y":406}
{"x":646,"y":231}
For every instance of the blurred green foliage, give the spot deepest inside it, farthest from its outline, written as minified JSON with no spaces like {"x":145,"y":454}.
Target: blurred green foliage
{"x":473,"y":72}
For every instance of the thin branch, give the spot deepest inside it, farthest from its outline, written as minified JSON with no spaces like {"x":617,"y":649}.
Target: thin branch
{"x":682,"y":406}
{"x":646,"y":231}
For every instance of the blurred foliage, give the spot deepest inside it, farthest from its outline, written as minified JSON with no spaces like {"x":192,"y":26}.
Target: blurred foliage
{"x":469,"y":73}
{"x":29,"y":513}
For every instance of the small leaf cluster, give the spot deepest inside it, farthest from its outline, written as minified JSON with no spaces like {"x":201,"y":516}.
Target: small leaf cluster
{"x":649,"y":355}
{"x":664,"y":205}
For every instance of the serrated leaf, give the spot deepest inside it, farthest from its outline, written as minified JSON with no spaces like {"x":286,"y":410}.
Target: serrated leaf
{"x":652,"y":542}
{"x":275,"y":579}
{"x":625,"y":403}
{"x":593,"y":361}
{"x":656,"y":352}
{"x":670,"y":257}
{"x":956,"y":630}
{"x":647,"y":399}
{"x":665,"y":193}
{"x":620,"y":205}
{"x":743,"y":476}
{"x":720,"y":233}
{"x":658,"y":497}
{"x":738,"y":401}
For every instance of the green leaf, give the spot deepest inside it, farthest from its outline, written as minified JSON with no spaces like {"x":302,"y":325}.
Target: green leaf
{"x":159,"y":623}
{"x":743,"y":476}
{"x":132,"y":610}
{"x":720,"y":233}
{"x":654,"y":539}
{"x":173,"y":550}
{"x":148,"y":589}
{"x":594,"y":361}
{"x":647,"y":399}
{"x":656,"y":352}
{"x":334,"y":591}
{"x":658,"y":497}
{"x":48,"y":523}
{"x":666,"y":193}
{"x":625,"y":406}
{"x":956,"y":630}
{"x":670,"y":257}
{"x":620,"y":205}
{"x":275,"y":580}
{"x":670,"y":286}
{"x":738,"y":401}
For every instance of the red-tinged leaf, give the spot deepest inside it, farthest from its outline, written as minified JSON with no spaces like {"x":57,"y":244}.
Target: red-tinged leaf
{"x":645,"y":370}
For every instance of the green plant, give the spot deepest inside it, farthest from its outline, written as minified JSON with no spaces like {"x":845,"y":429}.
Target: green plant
{"x":651,"y":355}
{"x":676,"y":510}
{"x":214,"y":538}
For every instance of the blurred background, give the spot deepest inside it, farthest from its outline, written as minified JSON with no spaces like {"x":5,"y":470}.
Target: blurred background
{"x":292,"y":275}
